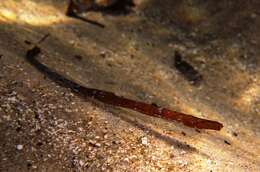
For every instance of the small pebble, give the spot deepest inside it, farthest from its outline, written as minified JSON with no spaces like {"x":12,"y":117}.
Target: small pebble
{"x":72,"y":42}
{"x":81,"y":163}
{"x":19,"y":147}
{"x":12,"y":99}
{"x":144,"y":141}
{"x":98,"y":145}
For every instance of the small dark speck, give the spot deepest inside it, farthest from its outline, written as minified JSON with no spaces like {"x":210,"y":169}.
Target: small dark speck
{"x":132,"y":56}
{"x":227,"y":142}
{"x":18,"y":129}
{"x":36,"y":116}
{"x":1,"y":56}
{"x":39,"y":144}
{"x":172,"y":156}
{"x":197,"y":130}
{"x":235,"y":134}
{"x":29,"y":165}
{"x":183,"y":133}
{"x":78,"y":57}
{"x":27,"y":42}
{"x":110,"y":65}
{"x":154,"y":104}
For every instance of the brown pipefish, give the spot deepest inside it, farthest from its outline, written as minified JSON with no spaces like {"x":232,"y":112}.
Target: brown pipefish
{"x":112,"y":99}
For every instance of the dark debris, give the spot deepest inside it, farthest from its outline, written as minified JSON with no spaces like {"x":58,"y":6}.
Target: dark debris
{"x":187,"y":70}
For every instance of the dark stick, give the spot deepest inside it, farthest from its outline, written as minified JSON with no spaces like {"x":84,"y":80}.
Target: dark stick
{"x":88,"y":21}
{"x":112,"y":99}
{"x":43,"y":38}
